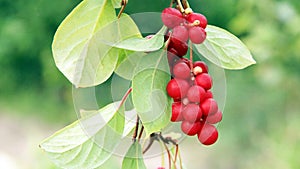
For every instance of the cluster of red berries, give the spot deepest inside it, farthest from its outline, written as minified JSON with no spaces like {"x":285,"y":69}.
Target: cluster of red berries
{"x":194,"y":105}
{"x":190,"y":85}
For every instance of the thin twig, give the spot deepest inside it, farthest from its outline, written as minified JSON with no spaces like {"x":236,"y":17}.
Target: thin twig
{"x":136,"y":128}
{"x":141,"y":133}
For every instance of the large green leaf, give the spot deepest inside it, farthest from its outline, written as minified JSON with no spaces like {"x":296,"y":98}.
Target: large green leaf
{"x":88,"y":142}
{"x":134,"y":158}
{"x":224,"y":49}
{"x":139,"y":61}
{"x":116,"y":3}
{"x":82,"y":44}
{"x":144,"y":44}
{"x":150,"y":99}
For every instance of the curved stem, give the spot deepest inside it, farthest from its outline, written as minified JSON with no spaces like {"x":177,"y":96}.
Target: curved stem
{"x":123,"y":3}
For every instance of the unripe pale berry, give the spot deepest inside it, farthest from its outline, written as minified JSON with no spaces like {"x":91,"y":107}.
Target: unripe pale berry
{"x":197,"y":34}
{"x":181,"y":70}
{"x":190,"y":128}
{"x":171,"y":17}
{"x":208,"y":134}
{"x":209,"y":107}
{"x":192,"y":112}
{"x":196,"y":94}
{"x":177,"y":88}
{"x":204,"y":80}
{"x":191,"y":18}
{"x":177,"y":109}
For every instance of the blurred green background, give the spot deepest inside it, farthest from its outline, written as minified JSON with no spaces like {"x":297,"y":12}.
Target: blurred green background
{"x":261,"y":121}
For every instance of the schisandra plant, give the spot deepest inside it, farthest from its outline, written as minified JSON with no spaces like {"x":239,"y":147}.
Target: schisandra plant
{"x":166,"y":84}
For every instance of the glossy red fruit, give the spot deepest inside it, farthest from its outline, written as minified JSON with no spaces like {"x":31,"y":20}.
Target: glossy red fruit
{"x":177,"y":109}
{"x":177,"y":88}
{"x":171,"y":17}
{"x":180,"y":33}
{"x":189,"y":128}
{"x":202,"y":65}
{"x":181,"y":70}
{"x":191,"y":18}
{"x":208,"y":94}
{"x":209,"y":107}
{"x":215,"y":118}
{"x":192,"y":112}
{"x":204,"y":80}
{"x":180,"y":47}
{"x":197,"y":34}
{"x":208,"y":134}
{"x":196,"y":94}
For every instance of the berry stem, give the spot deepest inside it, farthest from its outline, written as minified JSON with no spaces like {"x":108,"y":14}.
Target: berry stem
{"x":169,"y":154}
{"x":123,"y":3}
{"x":180,"y":6}
{"x":191,"y":56}
{"x":185,"y":4}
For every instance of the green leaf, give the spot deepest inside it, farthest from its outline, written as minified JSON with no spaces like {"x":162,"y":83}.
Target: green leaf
{"x":224,"y":49}
{"x":81,"y":46}
{"x":139,"y":61}
{"x":150,"y":98}
{"x":144,"y":44}
{"x":134,"y":158}
{"x":116,"y":3}
{"x":88,"y":142}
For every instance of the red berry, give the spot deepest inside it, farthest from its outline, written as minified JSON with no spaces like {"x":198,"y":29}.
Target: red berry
{"x":215,"y":118}
{"x":180,"y":47}
{"x":197,"y":34}
{"x":189,"y":128}
{"x":209,"y":107}
{"x":204,"y":80}
{"x":180,"y":33}
{"x":208,"y":94}
{"x":177,"y":88}
{"x":191,"y":18}
{"x":192,"y":112}
{"x":177,"y":108}
{"x":208,"y":134}
{"x":202,"y":65}
{"x":196,"y":94}
{"x":181,"y":70}
{"x":171,"y":17}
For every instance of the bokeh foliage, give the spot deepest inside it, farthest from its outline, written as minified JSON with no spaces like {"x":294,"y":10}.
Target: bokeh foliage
{"x":261,"y":117}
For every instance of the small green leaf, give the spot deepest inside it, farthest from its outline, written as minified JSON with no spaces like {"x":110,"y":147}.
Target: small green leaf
{"x":150,"y":99}
{"x":88,"y":142}
{"x":224,"y":49}
{"x":134,"y":158}
{"x":139,"y":61}
{"x":81,"y":46}
{"x":144,"y":44}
